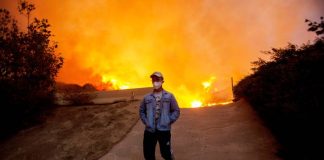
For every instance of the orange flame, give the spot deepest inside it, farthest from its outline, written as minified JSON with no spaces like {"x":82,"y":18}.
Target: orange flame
{"x":118,"y":44}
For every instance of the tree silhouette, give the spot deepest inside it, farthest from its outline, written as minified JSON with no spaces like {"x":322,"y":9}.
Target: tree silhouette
{"x":28,"y":67}
{"x":287,"y":92}
{"x":317,"y":27}
{"x":24,"y":7}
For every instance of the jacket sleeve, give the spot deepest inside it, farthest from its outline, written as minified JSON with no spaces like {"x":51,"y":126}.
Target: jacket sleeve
{"x":175,"y":110}
{"x":142,"y":112}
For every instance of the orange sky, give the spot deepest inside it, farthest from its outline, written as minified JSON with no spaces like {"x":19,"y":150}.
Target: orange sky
{"x":189,"y":41}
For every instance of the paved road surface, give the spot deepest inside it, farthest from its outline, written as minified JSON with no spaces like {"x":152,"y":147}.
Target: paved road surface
{"x":229,"y":132}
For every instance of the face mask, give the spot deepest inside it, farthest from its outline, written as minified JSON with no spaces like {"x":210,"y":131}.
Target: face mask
{"x":157,"y":85}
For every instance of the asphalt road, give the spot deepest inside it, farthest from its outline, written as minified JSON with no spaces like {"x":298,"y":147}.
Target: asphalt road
{"x":229,"y":132}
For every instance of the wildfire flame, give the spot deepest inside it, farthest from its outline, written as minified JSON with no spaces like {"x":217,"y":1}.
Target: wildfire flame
{"x":196,"y":104}
{"x":208,"y":93}
{"x":110,"y":83}
{"x":118,"y":44}
{"x":200,"y":98}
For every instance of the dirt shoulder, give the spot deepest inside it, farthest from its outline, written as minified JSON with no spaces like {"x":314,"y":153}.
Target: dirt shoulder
{"x":74,"y":132}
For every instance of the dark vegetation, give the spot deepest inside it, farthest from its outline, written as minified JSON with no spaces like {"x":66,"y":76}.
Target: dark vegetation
{"x":28,"y":67}
{"x":75,"y":94}
{"x":287,"y":91}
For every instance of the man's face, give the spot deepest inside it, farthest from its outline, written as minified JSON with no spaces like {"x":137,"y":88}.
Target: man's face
{"x":156,"y":79}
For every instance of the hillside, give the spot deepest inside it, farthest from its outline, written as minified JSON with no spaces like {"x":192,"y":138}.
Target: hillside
{"x":77,"y":132}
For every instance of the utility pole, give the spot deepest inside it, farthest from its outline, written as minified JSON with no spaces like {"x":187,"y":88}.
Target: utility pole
{"x":232,"y":87}
{"x":132,"y":96}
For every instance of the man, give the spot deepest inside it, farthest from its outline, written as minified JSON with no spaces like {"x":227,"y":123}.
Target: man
{"x":158,"y":111}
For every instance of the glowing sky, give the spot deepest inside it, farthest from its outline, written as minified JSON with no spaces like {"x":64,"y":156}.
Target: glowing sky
{"x":189,"y":41}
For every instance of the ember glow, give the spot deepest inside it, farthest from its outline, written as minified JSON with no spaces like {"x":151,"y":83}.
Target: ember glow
{"x":196,"y":104}
{"x":197,"y":45}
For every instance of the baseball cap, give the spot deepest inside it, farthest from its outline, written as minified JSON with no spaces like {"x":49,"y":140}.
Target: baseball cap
{"x":158,"y":74}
